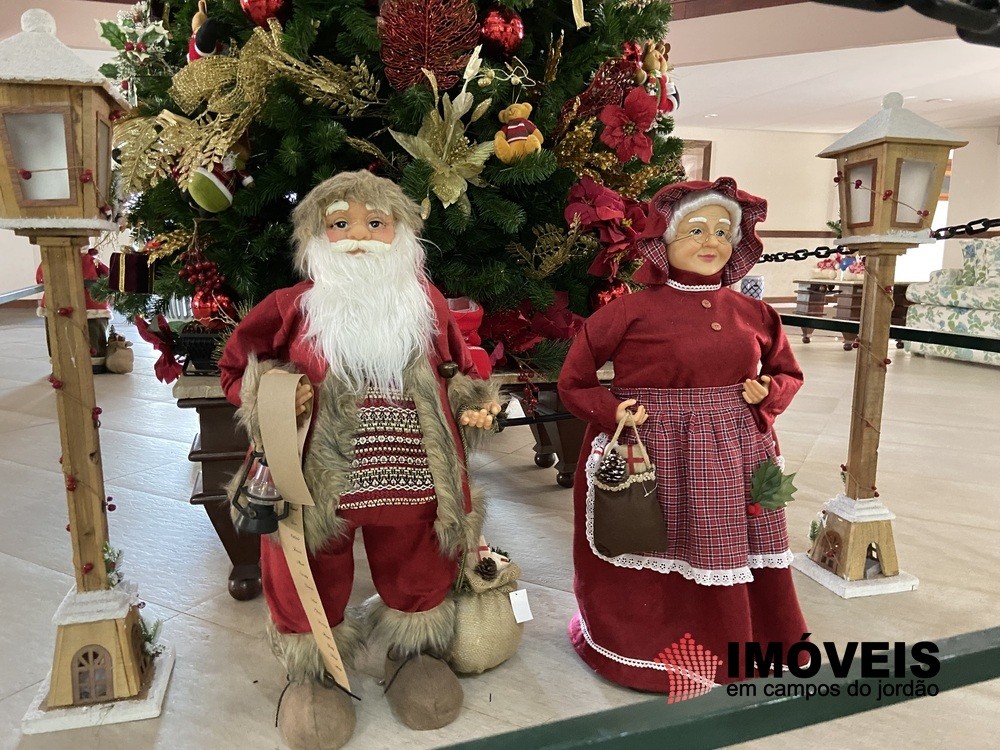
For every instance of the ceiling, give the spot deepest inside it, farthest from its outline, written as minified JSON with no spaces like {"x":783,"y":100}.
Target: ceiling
{"x":810,"y":67}
{"x":834,"y":91}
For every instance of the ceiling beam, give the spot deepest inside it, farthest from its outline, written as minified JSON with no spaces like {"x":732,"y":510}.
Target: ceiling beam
{"x":684,"y":9}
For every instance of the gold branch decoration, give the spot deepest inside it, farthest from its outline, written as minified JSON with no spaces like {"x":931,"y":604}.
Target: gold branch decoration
{"x":575,"y":150}
{"x":554,"y":247}
{"x":165,"y":245}
{"x":441,"y":141}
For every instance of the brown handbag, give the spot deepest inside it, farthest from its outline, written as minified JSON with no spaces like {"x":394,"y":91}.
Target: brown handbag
{"x":627,"y":515}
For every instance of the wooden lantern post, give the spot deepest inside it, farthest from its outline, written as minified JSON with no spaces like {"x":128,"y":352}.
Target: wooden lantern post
{"x":889,"y":172}
{"x":55,"y":165}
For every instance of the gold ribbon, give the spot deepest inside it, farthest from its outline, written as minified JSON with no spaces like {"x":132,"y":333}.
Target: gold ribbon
{"x":283,"y":442}
{"x":581,"y":22}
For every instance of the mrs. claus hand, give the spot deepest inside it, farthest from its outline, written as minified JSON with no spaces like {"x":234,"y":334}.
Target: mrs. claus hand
{"x":481,"y":419}
{"x":638,"y":416}
{"x":755,"y":391}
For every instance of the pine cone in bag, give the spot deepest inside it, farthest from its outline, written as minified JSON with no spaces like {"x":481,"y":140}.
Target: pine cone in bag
{"x":613,"y":469}
{"x":487,"y":569}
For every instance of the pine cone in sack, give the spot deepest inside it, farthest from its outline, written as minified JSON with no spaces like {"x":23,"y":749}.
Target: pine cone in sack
{"x":613,"y":469}
{"x":486,"y":633}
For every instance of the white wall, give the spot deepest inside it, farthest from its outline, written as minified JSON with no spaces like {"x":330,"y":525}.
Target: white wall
{"x":975,"y":185}
{"x":798,"y":186}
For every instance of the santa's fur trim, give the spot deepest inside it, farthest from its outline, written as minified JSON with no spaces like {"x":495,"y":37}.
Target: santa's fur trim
{"x":442,"y":457}
{"x":411,"y":632}
{"x":300,"y":655}
{"x":328,"y":461}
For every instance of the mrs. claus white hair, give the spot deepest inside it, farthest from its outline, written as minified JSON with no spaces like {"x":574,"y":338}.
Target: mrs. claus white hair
{"x":693,"y":201}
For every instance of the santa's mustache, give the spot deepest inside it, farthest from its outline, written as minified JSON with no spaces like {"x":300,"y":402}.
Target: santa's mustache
{"x":366,"y":246}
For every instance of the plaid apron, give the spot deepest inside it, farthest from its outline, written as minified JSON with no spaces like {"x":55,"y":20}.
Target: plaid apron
{"x":705,"y":445}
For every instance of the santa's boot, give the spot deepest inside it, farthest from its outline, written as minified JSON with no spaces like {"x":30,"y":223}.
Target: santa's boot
{"x":421,"y":689}
{"x":314,"y":716}
{"x":314,"y":713}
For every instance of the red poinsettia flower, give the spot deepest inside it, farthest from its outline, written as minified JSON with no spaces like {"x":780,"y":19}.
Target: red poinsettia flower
{"x":595,"y":204}
{"x":625,"y":127}
{"x":512,"y":328}
{"x":166,"y":368}
{"x":558,"y":321}
{"x":619,"y":239}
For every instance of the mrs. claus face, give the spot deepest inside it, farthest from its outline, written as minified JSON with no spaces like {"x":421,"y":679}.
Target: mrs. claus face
{"x":702,"y":242}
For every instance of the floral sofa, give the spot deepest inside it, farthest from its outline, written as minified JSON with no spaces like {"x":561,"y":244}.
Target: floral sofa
{"x":960,"y":300}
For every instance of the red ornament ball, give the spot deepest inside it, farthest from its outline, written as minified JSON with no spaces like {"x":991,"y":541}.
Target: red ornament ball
{"x":604,"y":291}
{"x":211,"y":308}
{"x":501,"y":32}
{"x":259,"y":11}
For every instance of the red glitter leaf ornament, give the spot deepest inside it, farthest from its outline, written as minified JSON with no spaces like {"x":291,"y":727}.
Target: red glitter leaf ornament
{"x":434,"y":34}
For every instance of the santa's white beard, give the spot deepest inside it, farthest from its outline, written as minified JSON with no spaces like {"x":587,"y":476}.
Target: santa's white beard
{"x":369,"y":314}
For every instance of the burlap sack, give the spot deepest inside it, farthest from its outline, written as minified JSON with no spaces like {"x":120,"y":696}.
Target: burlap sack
{"x":486,"y":634}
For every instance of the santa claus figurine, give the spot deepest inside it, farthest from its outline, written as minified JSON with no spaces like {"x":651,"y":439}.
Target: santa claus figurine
{"x":391,"y":404}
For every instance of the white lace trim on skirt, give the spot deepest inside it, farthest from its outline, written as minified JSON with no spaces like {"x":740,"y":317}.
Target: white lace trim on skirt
{"x":702,"y":576}
{"x":642,"y":663}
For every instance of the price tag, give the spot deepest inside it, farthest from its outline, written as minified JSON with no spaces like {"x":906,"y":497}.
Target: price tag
{"x":519,"y":601}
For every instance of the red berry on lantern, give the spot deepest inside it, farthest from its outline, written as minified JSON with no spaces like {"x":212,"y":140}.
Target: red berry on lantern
{"x":112,"y":507}
{"x":65,"y":311}
{"x":837,"y":179}
{"x":24,"y":174}
{"x":887,"y":361}
{"x":886,"y":195}
{"x":501,"y":32}
{"x":843,"y":467}
{"x":857,"y":184}
{"x":67,"y":527}
{"x":87,"y":567}
{"x":855,"y":345}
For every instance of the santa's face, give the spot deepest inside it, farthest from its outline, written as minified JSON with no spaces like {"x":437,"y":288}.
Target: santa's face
{"x":368,"y":312}
{"x":353,"y":222}
{"x":703,"y":241}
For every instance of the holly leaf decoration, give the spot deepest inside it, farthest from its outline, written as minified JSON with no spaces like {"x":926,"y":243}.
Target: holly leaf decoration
{"x":770,"y":487}
{"x":436,"y":35}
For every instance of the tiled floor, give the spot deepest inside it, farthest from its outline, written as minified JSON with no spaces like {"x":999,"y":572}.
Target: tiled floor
{"x":939,"y":472}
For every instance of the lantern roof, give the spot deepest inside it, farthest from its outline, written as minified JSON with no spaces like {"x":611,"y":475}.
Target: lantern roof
{"x":895,"y":124}
{"x":37,"y":56}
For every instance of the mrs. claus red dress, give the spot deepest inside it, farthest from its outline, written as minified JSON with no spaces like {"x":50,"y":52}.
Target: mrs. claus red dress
{"x":682,"y":347}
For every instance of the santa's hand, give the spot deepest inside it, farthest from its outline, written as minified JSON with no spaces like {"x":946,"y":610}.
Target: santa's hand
{"x":755,"y":391}
{"x":303,"y":401}
{"x":638,"y":416}
{"x":481,"y":419}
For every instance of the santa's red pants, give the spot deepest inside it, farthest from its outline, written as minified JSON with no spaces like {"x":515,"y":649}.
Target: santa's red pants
{"x":408,"y":570}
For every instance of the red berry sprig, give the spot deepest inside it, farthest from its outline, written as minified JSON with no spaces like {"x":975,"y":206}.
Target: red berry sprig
{"x":200,"y":273}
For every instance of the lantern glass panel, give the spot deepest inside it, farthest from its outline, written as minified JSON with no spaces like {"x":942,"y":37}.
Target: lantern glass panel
{"x":103,"y":158}
{"x":912,"y":190}
{"x":859,"y":199}
{"x":38,"y":144}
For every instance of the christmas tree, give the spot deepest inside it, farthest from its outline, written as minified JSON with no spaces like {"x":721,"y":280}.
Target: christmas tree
{"x":529,"y":131}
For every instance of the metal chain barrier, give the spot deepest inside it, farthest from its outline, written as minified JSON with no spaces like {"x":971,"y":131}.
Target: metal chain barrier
{"x":944,"y":233}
